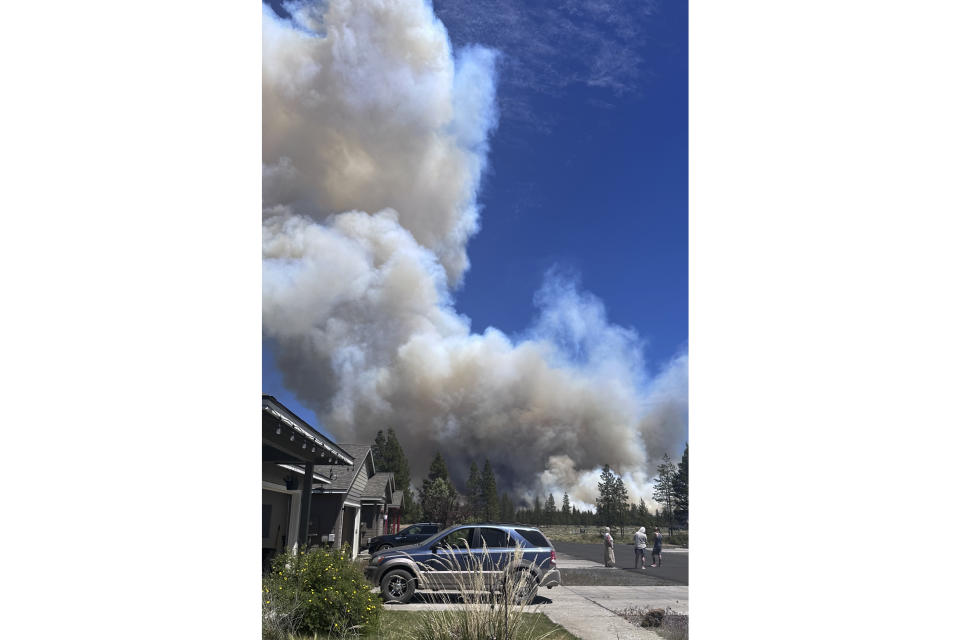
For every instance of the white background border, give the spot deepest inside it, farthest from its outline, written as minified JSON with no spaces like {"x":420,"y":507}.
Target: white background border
{"x":824,"y":349}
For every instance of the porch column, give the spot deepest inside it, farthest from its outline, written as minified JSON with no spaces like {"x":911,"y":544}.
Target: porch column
{"x":306,"y":497}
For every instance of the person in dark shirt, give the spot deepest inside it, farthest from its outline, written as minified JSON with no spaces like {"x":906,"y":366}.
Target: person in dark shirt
{"x":655,"y":555}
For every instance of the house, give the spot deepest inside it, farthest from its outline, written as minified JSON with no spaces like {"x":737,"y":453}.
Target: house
{"x":394,"y":509}
{"x":357,"y":504}
{"x":380,"y":506}
{"x":296,"y":459}
{"x":316,"y":492}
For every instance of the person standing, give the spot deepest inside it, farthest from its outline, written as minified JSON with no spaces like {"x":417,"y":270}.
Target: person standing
{"x":609,"y":559}
{"x":656,"y":558}
{"x":640,"y":548}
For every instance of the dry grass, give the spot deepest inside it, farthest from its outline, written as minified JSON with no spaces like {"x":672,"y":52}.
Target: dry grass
{"x":594,"y":535}
{"x":484,"y":608}
{"x":669,"y":624}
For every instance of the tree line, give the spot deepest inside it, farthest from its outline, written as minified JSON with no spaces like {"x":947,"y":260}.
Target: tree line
{"x":438,"y":500}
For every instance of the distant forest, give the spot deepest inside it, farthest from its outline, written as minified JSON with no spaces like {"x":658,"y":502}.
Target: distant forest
{"x":438,"y":500}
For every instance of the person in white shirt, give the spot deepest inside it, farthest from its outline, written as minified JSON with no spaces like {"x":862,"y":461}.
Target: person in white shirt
{"x":609,"y":560}
{"x":639,"y":548}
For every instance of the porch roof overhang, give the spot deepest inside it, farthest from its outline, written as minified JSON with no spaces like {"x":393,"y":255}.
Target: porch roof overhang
{"x":289,"y":440}
{"x":318,"y":477}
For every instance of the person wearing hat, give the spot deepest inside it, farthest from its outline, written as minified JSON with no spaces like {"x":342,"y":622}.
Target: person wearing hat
{"x":609,"y":560}
{"x":640,"y":548}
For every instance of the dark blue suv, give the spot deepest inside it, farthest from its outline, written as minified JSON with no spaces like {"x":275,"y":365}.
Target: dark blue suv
{"x":512,"y":556}
{"x":408,"y":535}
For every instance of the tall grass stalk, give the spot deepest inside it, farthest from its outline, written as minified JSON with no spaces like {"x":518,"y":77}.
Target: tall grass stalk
{"x":483,"y":605}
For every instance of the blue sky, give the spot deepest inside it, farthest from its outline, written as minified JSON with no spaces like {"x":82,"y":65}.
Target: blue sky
{"x":587,"y":172}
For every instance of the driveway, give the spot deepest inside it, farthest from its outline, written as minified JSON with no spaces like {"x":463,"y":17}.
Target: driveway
{"x":675,"y":569}
{"x":587,"y":608}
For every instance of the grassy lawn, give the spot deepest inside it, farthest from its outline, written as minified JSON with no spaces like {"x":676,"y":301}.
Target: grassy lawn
{"x":401,"y":625}
{"x":591,"y":534}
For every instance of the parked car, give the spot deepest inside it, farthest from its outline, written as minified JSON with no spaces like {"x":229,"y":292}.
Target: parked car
{"x":443,"y":561}
{"x":408,"y":535}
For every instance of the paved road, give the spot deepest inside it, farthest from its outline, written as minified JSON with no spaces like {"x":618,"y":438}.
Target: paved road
{"x":675,"y":563}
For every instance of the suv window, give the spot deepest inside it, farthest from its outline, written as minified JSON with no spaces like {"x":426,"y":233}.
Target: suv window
{"x":429,"y":528}
{"x":492,"y":538}
{"x":534,"y":537}
{"x":414,"y":530}
{"x":459,"y":539}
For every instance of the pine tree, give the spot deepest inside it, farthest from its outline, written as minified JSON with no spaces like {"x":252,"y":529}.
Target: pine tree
{"x":643,"y":514}
{"x":438,"y":471}
{"x":474,"y":492}
{"x":565,"y":509}
{"x":537,"y":511}
{"x":411,"y":508}
{"x":488,"y":493}
{"x":620,"y":499}
{"x":506,"y":508}
{"x":663,"y":491}
{"x":550,"y":510}
{"x":440,"y":502}
{"x":379,"y":449}
{"x":681,"y":507}
{"x":388,"y":456}
{"x":438,"y":468}
{"x":605,"y":499}
{"x":394,"y":460}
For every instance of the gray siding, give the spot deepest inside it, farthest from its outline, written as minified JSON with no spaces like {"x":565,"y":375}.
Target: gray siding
{"x":359,"y":484}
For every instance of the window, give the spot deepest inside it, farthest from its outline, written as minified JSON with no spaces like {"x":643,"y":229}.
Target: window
{"x":459,"y":539}
{"x":429,"y":528}
{"x":493,"y":538}
{"x":534,"y":537}
{"x":412,"y":531}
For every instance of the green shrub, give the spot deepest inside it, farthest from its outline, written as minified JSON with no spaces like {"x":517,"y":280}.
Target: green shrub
{"x":319,"y":591}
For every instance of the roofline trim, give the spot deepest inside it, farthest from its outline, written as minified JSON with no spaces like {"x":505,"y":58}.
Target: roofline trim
{"x":278,"y":413}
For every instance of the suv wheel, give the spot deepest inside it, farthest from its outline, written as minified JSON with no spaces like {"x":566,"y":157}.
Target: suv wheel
{"x":397,"y":586}
{"x":382,"y":547}
{"x":525,"y":587}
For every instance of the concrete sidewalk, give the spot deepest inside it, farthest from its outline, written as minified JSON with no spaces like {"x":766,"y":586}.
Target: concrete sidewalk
{"x":588,"y":612}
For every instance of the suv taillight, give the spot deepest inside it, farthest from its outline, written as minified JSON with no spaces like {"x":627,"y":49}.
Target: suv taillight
{"x":553,"y":556}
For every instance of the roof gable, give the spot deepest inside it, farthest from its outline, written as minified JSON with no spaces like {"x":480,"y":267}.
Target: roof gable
{"x":343,"y":478}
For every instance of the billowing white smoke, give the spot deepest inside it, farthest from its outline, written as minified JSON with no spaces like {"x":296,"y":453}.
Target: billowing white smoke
{"x":364,"y":107}
{"x":374,"y":145}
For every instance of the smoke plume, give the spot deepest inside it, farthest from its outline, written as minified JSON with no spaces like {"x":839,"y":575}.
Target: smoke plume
{"x":374,"y":144}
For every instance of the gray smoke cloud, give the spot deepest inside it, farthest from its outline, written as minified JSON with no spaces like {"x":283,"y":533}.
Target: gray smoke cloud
{"x":366,"y":107}
{"x":375,"y":140}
